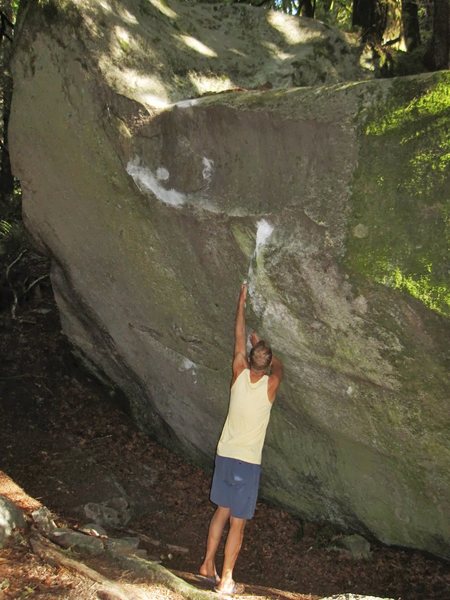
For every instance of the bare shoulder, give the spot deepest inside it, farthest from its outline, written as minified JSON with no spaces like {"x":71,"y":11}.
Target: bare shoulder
{"x":275,"y":379}
{"x":272,"y":387}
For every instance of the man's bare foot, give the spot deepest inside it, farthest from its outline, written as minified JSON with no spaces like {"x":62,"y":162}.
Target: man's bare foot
{"x":230,"y":589}
{"x":208,"y":571}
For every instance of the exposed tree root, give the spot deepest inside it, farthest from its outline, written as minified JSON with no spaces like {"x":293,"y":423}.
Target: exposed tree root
{"x":149,"y":571}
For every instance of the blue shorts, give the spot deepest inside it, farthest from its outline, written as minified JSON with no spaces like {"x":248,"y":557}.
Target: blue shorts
{"x":235,"y":485}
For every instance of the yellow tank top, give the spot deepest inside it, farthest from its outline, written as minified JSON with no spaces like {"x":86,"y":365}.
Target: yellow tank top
{"x":248,"y":416}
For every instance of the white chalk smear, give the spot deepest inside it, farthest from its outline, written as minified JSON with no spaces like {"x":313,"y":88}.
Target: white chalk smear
{"x":188,"y":365}
{"x":147,"y":182}
{"x":162,"y":174}
{"x":263,"y":233}
{"x":208,"y":165}
{"x":186,"y":103}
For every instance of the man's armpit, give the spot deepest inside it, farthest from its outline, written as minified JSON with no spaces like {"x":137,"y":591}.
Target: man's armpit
{"x":239,"y":360}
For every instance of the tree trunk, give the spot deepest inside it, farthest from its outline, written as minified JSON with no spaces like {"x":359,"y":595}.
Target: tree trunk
{"x":308,"y":8}
{"x":6,"y":177}
{"x":410,"y":24}
{"x":362,"y":12}
{"x":438,"y":53}
{"x":371,"y":16}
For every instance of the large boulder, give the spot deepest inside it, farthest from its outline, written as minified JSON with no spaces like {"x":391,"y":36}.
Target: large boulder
{"x":156,"y":197}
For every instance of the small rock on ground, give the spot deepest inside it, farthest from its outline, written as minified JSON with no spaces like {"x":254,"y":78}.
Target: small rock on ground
{"x":358,"y":546}
{"x":354,"y":597}
{"x":72,"y":539}
{"x":11,"y":518}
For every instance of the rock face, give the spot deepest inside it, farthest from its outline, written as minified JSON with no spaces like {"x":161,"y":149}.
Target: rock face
{"x":155,"y":203}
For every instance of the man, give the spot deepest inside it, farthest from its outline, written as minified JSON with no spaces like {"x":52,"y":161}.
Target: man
{"x":238,"y":461}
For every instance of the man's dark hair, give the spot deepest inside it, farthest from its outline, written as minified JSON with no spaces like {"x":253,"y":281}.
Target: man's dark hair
{"x":260,"y":356}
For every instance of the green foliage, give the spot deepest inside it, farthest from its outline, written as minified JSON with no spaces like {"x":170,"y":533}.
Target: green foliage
{"x":12,"y":233}
{"x":10,"y":8}
{"x":5,"y":229}
{"x":124,"y":45}
{"x":12,"y":237}
{"x":336,"y":12}
{"x":332,"y":12}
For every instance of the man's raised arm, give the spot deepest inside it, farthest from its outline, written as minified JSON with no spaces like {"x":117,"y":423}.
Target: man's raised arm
{"x":240,"y":349}
{"x":239,"y":326}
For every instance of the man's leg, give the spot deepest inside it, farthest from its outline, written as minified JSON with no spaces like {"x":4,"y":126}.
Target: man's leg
{"x":218,"y":521}
{"x":232,"y":548}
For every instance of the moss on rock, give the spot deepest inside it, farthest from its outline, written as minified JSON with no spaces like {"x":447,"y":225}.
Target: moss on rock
{"x":401,"y":192}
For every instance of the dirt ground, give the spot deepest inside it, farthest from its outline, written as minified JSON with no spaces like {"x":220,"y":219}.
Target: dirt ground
{"x":67,"y":441}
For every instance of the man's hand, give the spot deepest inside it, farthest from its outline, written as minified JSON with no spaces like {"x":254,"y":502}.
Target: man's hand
{"x":243,"y":292}
{"x":254,"y":338}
